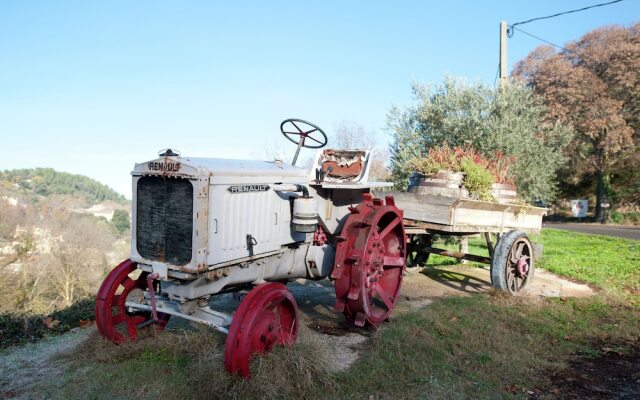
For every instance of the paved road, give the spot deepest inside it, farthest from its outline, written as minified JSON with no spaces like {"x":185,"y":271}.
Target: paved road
{"x":627,"y":232}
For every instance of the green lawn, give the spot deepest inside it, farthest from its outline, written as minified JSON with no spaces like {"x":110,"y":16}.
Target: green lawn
{"x":610,"y":263}
{"x":475,"y":347}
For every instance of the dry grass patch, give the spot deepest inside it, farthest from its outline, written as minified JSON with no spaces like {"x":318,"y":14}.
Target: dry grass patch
{"x":287,"y":373}
{"x":190,"y":365}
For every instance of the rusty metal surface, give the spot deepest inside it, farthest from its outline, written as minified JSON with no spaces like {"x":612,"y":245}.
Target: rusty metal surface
{"x":369,"y":261}
{"x":342,"y":164}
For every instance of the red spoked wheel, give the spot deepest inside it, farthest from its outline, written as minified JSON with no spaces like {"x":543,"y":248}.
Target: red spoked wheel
{"x":113,"y":320}
{"x":267,"y":317}
{"x":370,"y":258}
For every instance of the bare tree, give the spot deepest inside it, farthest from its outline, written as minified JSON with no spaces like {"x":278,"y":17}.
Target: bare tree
{"x":78,"y":260}
{"x":350,"y":135}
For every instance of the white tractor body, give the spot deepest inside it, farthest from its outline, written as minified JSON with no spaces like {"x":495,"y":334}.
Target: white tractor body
{"x":204,"y":226}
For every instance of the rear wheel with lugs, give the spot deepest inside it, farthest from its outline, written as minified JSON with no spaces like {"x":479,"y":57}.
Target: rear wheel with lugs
{"x":370,"y":258}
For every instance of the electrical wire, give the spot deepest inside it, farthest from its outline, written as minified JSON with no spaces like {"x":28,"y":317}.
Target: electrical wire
{"x":512,"y":26}
{"x":542,"y":40}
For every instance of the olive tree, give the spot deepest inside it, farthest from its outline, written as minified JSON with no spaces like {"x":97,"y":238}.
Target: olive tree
{"x":507,"y":119}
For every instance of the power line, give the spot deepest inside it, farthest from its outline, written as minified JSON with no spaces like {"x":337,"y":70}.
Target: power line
{"x":512,"y":26}
{"x":541,"y":39}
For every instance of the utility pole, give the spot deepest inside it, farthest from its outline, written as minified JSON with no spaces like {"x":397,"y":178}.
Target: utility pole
{"x":503,"y":52}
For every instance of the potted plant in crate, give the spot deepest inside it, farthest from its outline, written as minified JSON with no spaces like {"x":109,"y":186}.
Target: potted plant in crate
{"x":464,"y":173}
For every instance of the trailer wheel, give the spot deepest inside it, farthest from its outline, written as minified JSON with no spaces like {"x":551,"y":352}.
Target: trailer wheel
{"x":512,"y":266}
{"x":267,"y":317}
{"x":416,"y":256}
{"x":113,"y":320}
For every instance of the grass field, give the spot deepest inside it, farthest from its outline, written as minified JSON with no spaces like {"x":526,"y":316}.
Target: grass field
{"x":481,"y":346}
{"x":612,"y":264}
{"x":607,"y":262}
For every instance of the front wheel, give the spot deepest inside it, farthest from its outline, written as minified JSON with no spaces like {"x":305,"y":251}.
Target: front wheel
{"x":512,"y":266}
{"x":267,"y":317}
{"x":114,"y":321}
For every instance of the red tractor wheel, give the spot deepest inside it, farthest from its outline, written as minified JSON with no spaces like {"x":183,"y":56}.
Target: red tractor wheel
{"x":370,"y":258}
{"x":267,"y":317}
{"x":113,"y":319}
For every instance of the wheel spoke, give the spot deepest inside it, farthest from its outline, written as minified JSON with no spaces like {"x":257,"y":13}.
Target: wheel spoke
{"x":511,"y":282}
{"x":115,"y":300}
{"x":393,"y":261}
{"x":314,"y":139}
{"x":512,"y":255}
{"x":132,"y":329}
{"x":389,"y":228}
{"x":118,"y":319}
{"x":519,"y":250}
{"x":384,"y":296}
{"x":128,"y":284}
{"x":297,"y":127}
{"x":293,"y":133}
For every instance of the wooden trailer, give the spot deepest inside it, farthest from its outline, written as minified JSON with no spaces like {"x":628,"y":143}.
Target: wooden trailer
{"x":505,"y":225}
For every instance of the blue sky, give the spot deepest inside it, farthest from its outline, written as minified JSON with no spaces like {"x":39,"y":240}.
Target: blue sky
{"x":92,"y":87}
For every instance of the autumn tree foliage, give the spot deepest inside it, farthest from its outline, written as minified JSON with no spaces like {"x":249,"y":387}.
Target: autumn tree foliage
{"x":593,"y":84}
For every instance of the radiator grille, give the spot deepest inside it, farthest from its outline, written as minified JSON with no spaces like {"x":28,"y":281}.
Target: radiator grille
{"x":164,"y":219}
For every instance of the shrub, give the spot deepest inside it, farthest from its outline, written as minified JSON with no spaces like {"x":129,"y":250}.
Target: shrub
{"x":18,"y":328}
{"x":477,"y":180}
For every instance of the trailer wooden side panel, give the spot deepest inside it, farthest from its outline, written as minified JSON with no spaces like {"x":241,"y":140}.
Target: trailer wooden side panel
{"x":449,"y":214}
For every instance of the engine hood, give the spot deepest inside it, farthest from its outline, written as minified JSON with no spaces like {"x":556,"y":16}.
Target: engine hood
{"x":220,"y":169}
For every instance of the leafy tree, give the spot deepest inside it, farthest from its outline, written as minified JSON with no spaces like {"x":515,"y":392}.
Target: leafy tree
{"x":120,"y":220}
{"x":594,"y":85}
{"x":505,"y":120}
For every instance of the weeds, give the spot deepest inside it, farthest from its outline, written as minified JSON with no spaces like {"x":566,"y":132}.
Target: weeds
{"x":16,"y":328}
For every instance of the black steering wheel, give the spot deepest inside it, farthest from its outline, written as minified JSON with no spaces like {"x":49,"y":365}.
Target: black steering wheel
{"x":293,"y":127}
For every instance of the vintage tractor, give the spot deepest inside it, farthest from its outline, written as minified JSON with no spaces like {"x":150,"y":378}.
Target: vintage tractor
{"x":206,"y":226}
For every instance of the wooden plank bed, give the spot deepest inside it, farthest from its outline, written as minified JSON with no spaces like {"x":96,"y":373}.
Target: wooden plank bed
{"x":423,"y":212}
